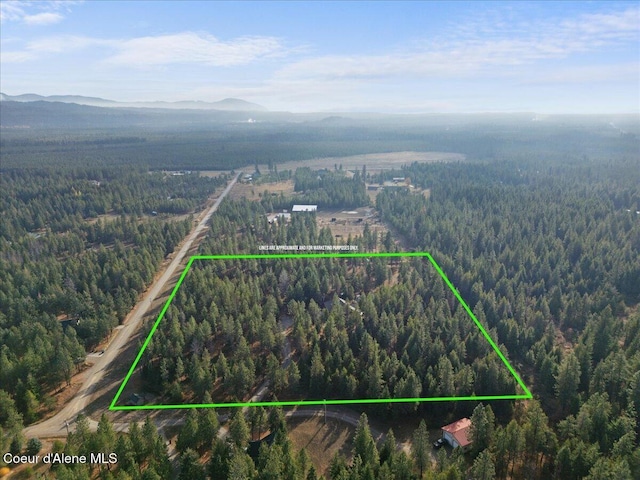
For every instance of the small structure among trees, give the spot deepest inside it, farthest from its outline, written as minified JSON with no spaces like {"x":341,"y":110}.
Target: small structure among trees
{"x":457,"y":434}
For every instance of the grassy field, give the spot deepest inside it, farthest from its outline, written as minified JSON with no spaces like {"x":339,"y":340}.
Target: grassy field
{"x":373,"y":161}
{"x":256,"y":192}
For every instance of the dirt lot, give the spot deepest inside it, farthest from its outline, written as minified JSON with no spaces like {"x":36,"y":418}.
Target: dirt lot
{"x":373,"y":161}
{"x":350,"y":222}
{"x":321,"y":441}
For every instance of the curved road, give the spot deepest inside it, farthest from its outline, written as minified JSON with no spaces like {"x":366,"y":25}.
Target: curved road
{"x":56,"y":426}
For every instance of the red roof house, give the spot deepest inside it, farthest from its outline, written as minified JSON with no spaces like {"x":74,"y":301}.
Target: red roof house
{"x":457,"y":433}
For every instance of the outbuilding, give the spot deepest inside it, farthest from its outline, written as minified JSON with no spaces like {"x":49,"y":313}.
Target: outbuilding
{"x":457,"y":433}
{"x":305,"y":208}
{"x":276,"y":217}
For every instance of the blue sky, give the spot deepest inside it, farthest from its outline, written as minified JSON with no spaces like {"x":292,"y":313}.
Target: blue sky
{"x":547,"y":57}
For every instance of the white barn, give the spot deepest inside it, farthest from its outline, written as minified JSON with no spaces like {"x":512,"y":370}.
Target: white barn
{"x":305,"y":208}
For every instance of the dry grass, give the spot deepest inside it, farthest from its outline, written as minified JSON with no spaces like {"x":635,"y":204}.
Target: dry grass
{"x":343,"y":223}
{"x":321,"y":441}
{"x":256,"y":192}
{"x":373,"y":161}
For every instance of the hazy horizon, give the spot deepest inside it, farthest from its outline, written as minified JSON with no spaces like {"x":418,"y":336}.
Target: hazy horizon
{"x":342,"y":57}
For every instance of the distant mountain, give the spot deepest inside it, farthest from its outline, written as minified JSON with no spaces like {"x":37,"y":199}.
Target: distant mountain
{"x":334,"y":119}
{"x":238,"y":105}
{"x":80,"y":100}
{"x":48,"y":114}
{"x":60,"y":115}
{"x":228,"y":104}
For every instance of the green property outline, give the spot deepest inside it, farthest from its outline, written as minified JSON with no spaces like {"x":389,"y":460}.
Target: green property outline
{"x":524,"y":396}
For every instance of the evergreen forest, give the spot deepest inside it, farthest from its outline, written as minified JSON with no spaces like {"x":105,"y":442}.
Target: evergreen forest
{"x":538,"y":230}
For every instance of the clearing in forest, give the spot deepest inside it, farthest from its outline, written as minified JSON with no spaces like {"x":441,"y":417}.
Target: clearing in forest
{"x":317,"y":329}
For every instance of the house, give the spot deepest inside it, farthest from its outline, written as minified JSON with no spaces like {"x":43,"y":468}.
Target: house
{"x":276,"y":217}
{"x":457,"y":433}
{"x":305,"y":208}
{"x":389,"y":185}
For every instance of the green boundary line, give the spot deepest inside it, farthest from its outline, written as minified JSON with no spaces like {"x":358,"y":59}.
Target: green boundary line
{"x":524,"y":396}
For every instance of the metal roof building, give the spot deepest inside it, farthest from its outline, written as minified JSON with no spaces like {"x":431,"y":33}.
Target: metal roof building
{"x":305,"y":208}
{"x":456,"y":434}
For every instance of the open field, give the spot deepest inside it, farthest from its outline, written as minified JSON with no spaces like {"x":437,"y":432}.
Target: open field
{"x":343,"y":223}
{"x":373,"y":161}
{"x":254,"y":192}
{"x":321,"y":441}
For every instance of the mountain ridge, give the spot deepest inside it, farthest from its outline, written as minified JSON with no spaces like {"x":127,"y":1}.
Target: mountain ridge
{"x":227,"y":104}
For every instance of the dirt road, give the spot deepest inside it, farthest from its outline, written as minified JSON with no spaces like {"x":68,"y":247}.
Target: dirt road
{"x":57,"y":425}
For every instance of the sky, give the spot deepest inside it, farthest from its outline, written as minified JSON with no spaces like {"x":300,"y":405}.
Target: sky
{"x":395,"y":57}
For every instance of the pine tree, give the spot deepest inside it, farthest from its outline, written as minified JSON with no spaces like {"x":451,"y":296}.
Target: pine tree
{"x":188,"y":436}
{"x":483,"y":468}
{"x":208,"y":427}
{"x":363,"y":444}
{"x":257,"y":419}
{"x":567,"y":383}
{"x":33,"y":446}
{"x":270,"y":463}
{"x":515,"y":444}
{"x":539,"y":439}
{"x":481,"y":431}
{"x":106,"y":435}
{"x":190,"y":468}
{"x":420,"y":447}
{"x":238,"y":429}
{"x":218,"y":467}
{"x":388,"y":450}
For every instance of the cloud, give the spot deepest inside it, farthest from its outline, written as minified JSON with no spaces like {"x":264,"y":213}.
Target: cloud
{"x":478,"y":47}
{"x":192,"y":47}
{"x":478,"y":58}
{"x":45,"y":18}
{"x":587,"y":74}
{"x":17,"y":57}
{"x":66,"y":44}
{"x":35,"y":49}
{"x":151,"y":51}
{"x":612,"y":26}
{"x":10,"y":11}
{"x":34,"y":13}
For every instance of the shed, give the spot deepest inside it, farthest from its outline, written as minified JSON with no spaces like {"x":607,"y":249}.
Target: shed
{"x":305,"y":208}
{"x":275,"y":217}
{"x":457,"y":433}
